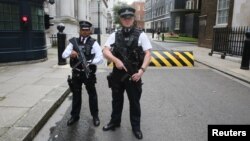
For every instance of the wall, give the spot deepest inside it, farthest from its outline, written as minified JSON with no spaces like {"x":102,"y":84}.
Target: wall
{"x":206,"y":22}
{"x":139,"y":13}
{"x":241,"y":13}
{"x":191,"y":25}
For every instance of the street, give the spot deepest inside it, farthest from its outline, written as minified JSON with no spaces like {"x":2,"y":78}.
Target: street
{"x":196,"y":82}
{"x":177,"y":105}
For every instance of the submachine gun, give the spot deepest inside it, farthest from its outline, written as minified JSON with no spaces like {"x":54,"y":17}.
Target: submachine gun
{"x":82,"y":61}
{"x":131,"y":66}
{"x":81,"y":58}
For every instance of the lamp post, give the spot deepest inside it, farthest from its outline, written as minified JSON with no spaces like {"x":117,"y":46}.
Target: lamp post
{"x":99,"y":30}
{"x":153,"y":25}
{"x":51,"y":1}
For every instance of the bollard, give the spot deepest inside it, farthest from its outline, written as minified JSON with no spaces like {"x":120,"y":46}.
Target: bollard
{"x":61,"y":39}
{"x":246,"y":53}
{"x":162,"y":37}
{"x":153,"y":32}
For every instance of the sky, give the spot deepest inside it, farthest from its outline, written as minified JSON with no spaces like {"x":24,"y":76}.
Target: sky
{"x":128,"y":1}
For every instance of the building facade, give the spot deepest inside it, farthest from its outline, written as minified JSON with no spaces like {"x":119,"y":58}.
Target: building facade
{"x":22,"y":35}
{"x":157,"y":15}
{"x":139,"y":13}
{"x":240,"y":13}
{"x":184,"y":17}
{"x":179,"y":16}
{"x":71,"y":12}
{"x":218,"y":14}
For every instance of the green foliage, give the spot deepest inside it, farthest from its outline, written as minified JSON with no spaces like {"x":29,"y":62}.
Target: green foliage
{"x":183,"y":39}
{"x":183,"y":35}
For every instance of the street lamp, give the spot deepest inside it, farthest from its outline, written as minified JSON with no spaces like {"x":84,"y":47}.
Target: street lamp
{"x":153,"y":25}
{"x":99,"y":30}
{"x":51,"y":1}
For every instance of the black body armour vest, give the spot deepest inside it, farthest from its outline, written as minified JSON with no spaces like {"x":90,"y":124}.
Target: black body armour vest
{"x":127,"y":43}
{"x":86,"y":48}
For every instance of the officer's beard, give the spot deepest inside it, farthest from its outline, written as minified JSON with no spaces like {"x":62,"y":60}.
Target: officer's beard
{"x":127,"y":30}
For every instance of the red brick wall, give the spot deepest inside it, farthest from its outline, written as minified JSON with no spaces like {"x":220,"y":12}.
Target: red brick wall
{"x":139,"y":14}
{"x":207,"y":21}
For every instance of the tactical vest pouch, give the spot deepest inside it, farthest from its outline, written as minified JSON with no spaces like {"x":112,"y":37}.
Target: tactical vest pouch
{"x":141,"y":55}
{"x":70,"y":83}
{"x":92,"y":68}
{"x":86,"y":50}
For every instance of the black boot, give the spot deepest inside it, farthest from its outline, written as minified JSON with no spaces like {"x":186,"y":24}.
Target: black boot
{"x":110,"y":126}
{"x":138,"y":133}
{"x":72,"y":120}
{"x":96,"y":121}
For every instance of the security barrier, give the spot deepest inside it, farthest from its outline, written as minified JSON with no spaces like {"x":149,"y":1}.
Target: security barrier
{"x":170,"y":59}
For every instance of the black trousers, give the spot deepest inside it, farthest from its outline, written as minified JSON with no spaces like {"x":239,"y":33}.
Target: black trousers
{"x":79,"y":78}
{"x":134,"y":91}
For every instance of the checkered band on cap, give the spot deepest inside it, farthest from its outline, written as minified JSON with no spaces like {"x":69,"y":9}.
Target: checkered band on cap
{"x":85,"y":24}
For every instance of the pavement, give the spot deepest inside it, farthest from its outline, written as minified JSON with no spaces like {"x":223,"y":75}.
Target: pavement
{"x":30,"y":92}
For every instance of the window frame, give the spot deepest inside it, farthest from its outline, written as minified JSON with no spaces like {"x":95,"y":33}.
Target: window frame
{"x":9,"y":17}
{"x":221,"y":9}
{"x":177,"y":23}
{"x":36,"y":19}
{"x":190,"y":4}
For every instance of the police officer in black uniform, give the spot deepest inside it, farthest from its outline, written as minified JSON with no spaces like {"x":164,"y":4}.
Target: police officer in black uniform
{"x":93,"y":54}
{"x":129,"y":50}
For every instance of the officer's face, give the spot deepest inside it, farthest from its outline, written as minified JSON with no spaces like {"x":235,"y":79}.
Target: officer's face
{"x":85,"y":32}
{"x":127,"y":22}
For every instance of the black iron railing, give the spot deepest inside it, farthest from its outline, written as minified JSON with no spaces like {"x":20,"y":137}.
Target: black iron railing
{"x":229,"y":41}
{"x":53,"y":40}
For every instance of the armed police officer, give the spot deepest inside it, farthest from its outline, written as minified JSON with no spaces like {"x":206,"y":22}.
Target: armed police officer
{"x":84,"y":53}
{"x":129,"y":50}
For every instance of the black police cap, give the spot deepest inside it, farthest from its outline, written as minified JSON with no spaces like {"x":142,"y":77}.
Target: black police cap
{"x":85,"y":24}
{"x":126,"y":12}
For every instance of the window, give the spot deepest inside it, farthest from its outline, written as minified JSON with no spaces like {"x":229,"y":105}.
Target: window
{"x":222,"y":12}
{"x":190,"y":4}
{"x":9,"y":17}
{"x":167,"y":8}
{"x":177,"y":23}
{"x":171,"y":7}
{"x":166,"y":24}
{"x":37,"y":18}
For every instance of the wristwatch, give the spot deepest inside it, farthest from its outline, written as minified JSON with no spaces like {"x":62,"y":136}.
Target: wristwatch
{"x":143,"y":69}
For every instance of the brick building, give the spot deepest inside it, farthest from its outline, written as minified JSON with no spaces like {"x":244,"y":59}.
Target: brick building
{"x":139,"y":6}
{"x":215,"y":14}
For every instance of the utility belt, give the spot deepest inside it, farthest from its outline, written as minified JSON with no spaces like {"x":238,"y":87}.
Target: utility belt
{"x":79,"y":74}
{"x":115,"y":77}
{"x":92,"y":68}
